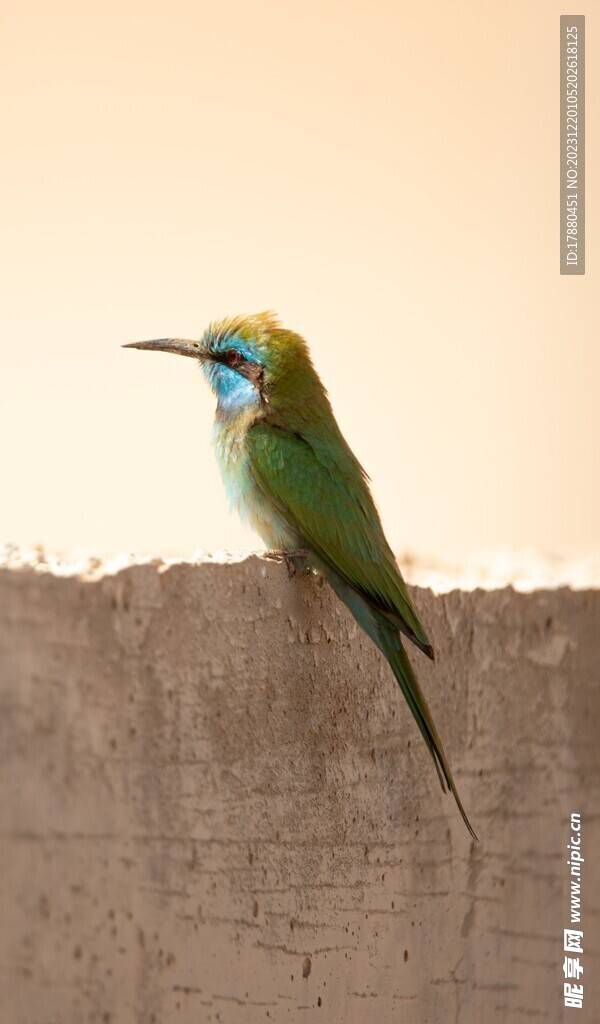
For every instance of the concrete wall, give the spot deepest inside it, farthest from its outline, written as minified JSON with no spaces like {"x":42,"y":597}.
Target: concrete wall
{"x":215,"y":806}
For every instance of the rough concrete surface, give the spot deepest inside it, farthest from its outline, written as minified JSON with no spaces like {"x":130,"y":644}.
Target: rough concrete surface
{"x":215,"y":806}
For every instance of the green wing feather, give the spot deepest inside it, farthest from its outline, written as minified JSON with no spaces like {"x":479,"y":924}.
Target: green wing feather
{"x":321,"y":491}
{"x":322,"y":494}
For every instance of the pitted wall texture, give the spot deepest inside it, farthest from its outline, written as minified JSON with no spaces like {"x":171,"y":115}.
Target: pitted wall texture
{"x":215,"y":805}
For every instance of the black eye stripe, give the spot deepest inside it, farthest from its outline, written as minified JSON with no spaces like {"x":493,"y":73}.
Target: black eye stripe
{"x":231,"y":357}
{"x":235,"y":360}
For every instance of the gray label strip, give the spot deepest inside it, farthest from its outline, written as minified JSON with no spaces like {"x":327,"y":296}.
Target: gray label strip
{"x":572,"y":144}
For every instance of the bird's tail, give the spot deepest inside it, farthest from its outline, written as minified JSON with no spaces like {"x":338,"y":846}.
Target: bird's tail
{"x":391,"y":645}
{"x":387,"y":638}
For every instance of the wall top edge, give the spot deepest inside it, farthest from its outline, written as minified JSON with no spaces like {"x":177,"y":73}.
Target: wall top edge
{"x":524,"y":570}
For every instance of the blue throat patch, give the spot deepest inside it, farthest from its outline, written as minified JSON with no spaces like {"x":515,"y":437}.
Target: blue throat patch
{"x":233,"y":391}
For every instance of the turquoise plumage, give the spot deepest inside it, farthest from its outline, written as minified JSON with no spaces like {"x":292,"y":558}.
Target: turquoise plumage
{"x":290,"y":473}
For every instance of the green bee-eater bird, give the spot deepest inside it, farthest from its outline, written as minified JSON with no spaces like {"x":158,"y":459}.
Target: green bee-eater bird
{"x":290,"y":474}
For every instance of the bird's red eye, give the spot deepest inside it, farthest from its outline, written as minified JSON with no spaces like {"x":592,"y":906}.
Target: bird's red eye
{"x":233,"y":358}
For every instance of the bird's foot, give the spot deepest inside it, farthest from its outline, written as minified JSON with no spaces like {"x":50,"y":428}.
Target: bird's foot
{"x":296,"y":561}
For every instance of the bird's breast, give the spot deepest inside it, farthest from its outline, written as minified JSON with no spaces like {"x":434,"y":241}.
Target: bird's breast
{"x":230,"y":444}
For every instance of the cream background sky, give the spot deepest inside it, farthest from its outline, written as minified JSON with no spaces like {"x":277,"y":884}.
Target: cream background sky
{"x":383,"y":175}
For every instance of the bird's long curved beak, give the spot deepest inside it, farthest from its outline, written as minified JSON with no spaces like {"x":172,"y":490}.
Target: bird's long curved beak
{"x":180,"y":346}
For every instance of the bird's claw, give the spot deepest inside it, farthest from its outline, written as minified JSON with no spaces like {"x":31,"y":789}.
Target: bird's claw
{"x":296,"y":561}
